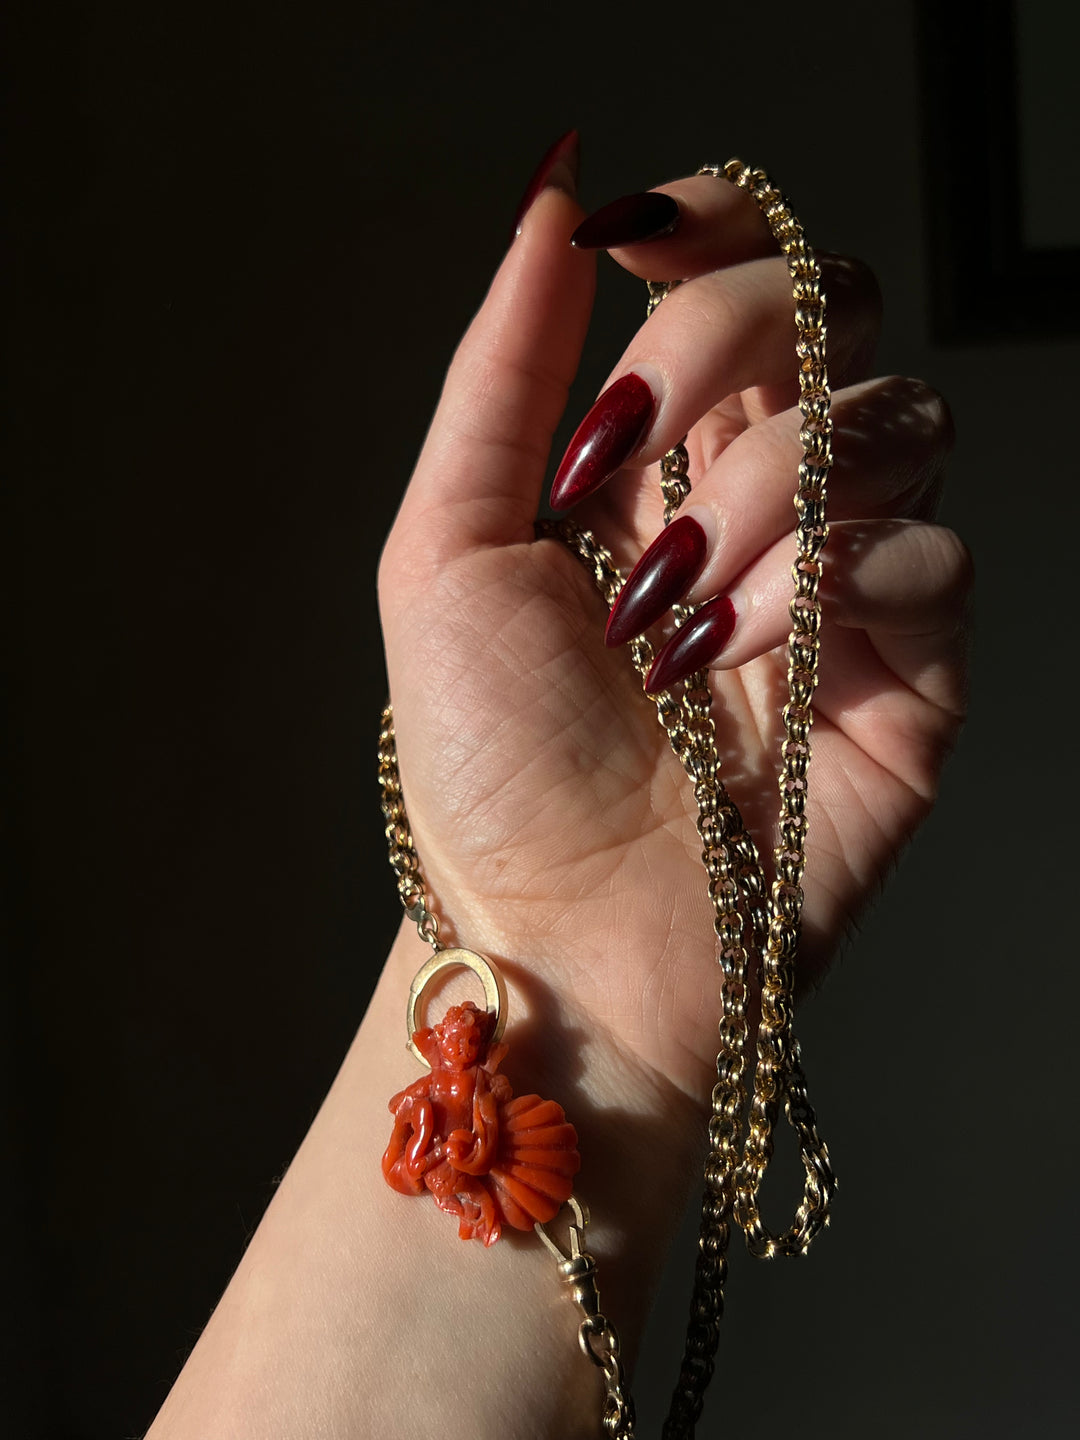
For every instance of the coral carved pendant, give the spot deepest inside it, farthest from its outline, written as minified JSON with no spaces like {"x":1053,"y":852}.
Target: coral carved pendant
{"x":488,"y":1158}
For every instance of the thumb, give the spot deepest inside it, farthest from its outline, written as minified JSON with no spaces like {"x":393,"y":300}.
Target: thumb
{"x":480,"y":473}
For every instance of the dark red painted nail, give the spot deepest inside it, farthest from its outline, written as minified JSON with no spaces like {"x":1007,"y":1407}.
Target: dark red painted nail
{"x":558,"y":167}
{"x":627,"y":221}
{"x":663,"y":575}
{"x":693,"y":645}
{"x":604,"y":441}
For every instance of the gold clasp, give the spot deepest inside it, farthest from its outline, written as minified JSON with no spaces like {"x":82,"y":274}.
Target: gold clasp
{"x":578,"y":1268}
{"x":577,"y":1232}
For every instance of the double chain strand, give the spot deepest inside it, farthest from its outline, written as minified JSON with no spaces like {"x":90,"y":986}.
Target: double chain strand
{"x":752,"y":918}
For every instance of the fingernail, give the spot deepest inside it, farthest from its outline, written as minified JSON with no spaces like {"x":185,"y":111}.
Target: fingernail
{"x":627,"y":221}
{"x":604,"y":441}
{"x":559,"y":167}
{"x":663,"y":575}
{"x":694,"y":645}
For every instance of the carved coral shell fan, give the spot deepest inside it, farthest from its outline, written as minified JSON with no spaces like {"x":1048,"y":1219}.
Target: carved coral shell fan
{"x":537,"y":1160}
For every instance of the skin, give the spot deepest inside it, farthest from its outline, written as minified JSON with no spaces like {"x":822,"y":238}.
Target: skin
{"x":555,"y":830}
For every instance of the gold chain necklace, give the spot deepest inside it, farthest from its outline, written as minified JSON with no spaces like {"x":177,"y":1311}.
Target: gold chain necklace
{"x":751,"y":917}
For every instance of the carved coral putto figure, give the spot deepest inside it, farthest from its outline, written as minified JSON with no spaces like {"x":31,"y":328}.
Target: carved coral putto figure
{"x":487,"y":1158}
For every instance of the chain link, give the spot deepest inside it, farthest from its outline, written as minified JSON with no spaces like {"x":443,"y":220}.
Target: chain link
{"x":752,"y":918}
{"x":404,"y":861}
{"x":597,"y":1337}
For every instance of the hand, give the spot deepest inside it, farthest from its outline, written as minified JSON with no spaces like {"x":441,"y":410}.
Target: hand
{"x":553,"y":824}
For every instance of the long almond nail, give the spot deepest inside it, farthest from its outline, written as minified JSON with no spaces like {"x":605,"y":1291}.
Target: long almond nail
{"x":694,"y":645}
{"x":559,"y":167}
{"x":663,"y":575}
{"x":630,"y":220}
{"x":610,"y":433}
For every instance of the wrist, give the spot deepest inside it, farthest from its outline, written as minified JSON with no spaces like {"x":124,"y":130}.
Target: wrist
{"x":640,"y":1135}
{"x":345,"y":1277}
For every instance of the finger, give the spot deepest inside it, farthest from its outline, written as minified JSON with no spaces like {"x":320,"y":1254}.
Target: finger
{"x":480,"y":472}
{"x":895,"y":601}
{"x":726,"y":332}
{"x":677,"y":231}
{"x":891,"y":438}
{"x":854,"y":314}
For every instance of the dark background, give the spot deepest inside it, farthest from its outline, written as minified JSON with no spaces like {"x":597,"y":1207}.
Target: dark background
{"x":243,"y":242}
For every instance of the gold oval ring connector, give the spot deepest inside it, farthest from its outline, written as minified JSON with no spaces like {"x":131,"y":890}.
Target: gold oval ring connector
{"x":481,"y":967}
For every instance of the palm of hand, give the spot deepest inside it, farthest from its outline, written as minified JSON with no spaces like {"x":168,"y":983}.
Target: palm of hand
{"x":555,"y":825}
